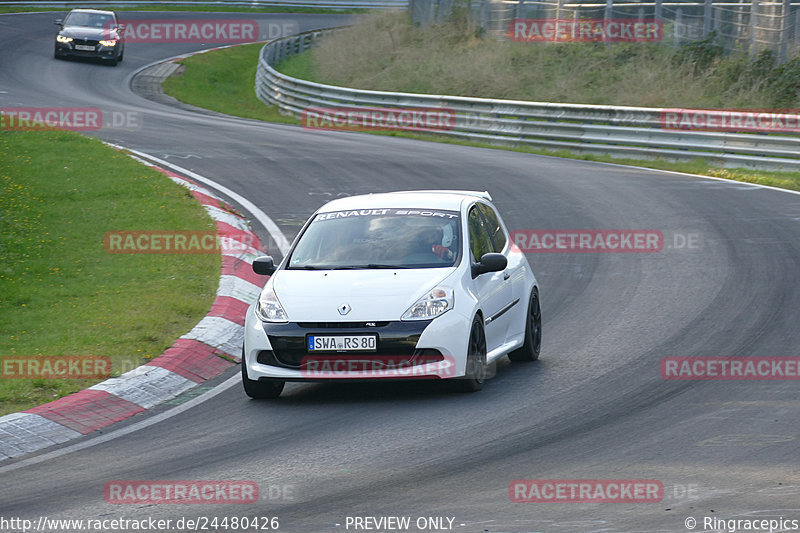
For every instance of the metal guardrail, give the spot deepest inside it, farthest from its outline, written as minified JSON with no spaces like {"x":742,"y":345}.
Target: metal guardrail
{"x":633,"y":132}
{"x":326,"y":4}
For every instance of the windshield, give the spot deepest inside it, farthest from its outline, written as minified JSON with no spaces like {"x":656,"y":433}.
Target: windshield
{"x":379,"y":238}
{"x":91,"y":20}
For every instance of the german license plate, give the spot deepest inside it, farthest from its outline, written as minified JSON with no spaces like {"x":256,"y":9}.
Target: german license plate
{"x":84,"y":47}
{"x":342,"y":343}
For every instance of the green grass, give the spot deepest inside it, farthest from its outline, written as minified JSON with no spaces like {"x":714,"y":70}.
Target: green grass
{"x":223,"y":81}
{"x":385,"y":52}
{"x":62,"y":293}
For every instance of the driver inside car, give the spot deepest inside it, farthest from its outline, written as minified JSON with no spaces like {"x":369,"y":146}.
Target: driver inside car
{"x":431,"y":237}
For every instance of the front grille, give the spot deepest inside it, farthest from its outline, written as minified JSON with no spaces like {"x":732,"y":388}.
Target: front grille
{"x":87,"y":42}
{"x":395,"y":339}
{"x":342,"y":325}
{"x":417,"y":357}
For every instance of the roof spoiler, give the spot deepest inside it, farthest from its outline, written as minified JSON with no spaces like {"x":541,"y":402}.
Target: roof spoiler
{"x":480,"y":194}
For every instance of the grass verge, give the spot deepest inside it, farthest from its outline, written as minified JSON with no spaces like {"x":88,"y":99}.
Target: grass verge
{"x":62,"y":293}
{"x":223,"y":81}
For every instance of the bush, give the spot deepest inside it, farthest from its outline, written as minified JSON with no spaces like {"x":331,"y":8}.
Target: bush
{"x":784,"y":84}
{"x":700,"y":55}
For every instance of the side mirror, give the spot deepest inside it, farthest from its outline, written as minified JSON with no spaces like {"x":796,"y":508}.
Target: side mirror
{"x":59,"y":22}
{"x":264,"y":265}
{"x":491,"y":262}
{"x":121,"y":28}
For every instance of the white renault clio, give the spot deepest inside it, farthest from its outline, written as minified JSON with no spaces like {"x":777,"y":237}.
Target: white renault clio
{"x":402,"y":285}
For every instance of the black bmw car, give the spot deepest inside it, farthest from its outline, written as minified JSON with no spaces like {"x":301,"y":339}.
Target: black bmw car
{"x":90,"y":33}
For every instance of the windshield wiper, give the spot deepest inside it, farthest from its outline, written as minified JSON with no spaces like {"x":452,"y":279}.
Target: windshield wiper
{"x":369,"y":266}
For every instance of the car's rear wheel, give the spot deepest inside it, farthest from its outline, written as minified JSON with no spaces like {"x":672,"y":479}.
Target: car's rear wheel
{"x":533,"y":332}
{"x":260,"y":390}
{"x":476,"y":358}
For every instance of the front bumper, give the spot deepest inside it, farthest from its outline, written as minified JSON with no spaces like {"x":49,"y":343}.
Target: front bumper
{"x":405,"y":350}
{"x":101,"y":52}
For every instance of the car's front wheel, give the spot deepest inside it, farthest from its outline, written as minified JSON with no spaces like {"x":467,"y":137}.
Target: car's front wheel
{"x":533,"y":332}
{"x":260,"y":390}
{"x":476,"y":358}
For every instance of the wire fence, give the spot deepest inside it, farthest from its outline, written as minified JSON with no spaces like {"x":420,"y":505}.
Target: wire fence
{"x":619,"y":131}
{"x":319,"y":4}
{"x":740,"y":25}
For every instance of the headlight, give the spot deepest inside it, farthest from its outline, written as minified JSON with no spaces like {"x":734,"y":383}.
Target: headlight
{"x":109,"y":43}
{"x":431,"y":305}
{"x":268,"y":308}
{"x":62,"y":39}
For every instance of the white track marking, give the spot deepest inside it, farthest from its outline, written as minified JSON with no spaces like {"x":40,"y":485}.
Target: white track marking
{"x":222,"y":387}
{"x":283,"y":246}
{"x":272,"y":228}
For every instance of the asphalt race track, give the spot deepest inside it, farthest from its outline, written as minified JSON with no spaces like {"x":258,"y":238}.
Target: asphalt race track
{"x":593,"y":407}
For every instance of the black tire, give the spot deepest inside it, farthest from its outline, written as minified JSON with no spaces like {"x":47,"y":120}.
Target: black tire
{"x":260,"y":390}
{"x":533,"y":332}
{"x":476,"y":359}
{"x":113,"y":62}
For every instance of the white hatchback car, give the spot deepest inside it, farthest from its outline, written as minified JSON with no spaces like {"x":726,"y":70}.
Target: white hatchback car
{"x":412,"y":284}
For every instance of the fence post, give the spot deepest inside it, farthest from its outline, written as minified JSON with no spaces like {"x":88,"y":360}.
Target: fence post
{"x":786,"y":28}
{"x":708,"y":13}
{"x":753,"y":26}
{"x":659,"y":9}
{"x":609,"y":14}
{"x":678,"y":27}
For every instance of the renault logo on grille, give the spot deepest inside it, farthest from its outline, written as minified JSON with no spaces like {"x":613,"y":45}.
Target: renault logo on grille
{"x":343,"y":309}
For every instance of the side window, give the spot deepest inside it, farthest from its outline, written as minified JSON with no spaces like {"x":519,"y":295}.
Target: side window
{"x":479,"y":241}
{"x":494,"y":227}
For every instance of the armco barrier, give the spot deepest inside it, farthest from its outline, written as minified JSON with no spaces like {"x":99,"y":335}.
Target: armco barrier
{"x":619,"y":131}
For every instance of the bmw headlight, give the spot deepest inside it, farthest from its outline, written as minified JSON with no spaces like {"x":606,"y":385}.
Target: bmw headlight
{"x":433,"y":304}
{"x":268,"y":308}
{"x":60,"y":38}
{"x":112,"y":42}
